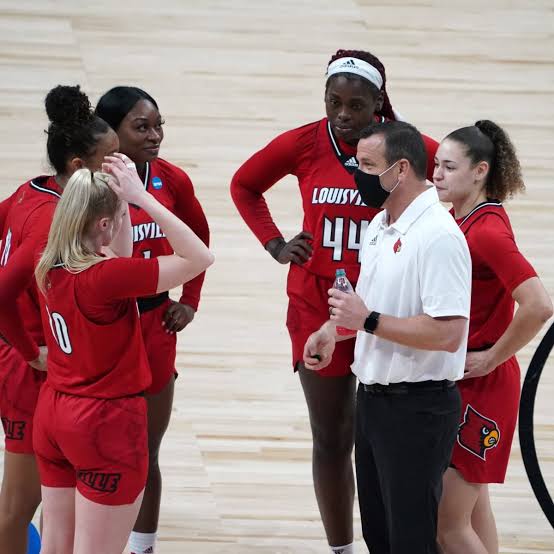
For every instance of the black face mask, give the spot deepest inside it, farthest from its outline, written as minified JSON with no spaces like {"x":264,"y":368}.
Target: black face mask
{"x":369,"y":186}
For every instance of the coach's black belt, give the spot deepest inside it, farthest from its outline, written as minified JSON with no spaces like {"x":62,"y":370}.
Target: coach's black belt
{"x":151,"y":302}
{"x":406,"y":388}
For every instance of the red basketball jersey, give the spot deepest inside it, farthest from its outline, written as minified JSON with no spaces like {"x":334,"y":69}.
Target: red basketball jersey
{"x":25,"y":232}
{"x":498,"y":267}
{"x":101,"y":356}
{"x":172,"y":187}
{"x":333,"y":210}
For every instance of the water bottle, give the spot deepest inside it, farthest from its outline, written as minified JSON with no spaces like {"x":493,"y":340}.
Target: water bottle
{"x":343,"y":284}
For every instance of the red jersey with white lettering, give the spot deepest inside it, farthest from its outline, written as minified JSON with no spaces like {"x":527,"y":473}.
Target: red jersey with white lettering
{"x":27,"y":217}
{"x":172,"y":187}
{"x":333,"y":211}
{"x":95,"y":346}
{"x":498,"y":267}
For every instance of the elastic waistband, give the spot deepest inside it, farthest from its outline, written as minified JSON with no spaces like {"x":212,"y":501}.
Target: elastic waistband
{"x":151,"y":302}
{"x":140,"y":394}
{"x":407,"y":388}
{"x":481,"y":348}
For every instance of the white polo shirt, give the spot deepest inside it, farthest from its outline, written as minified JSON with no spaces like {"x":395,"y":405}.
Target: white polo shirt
{"x":418,"y":265}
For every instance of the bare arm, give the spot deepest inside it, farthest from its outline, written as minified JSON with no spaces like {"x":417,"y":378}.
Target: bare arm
{"x":422,"y":331}
{"x":534,"y":309}
{"x":319,"y":348}
{"x":191,"y":257}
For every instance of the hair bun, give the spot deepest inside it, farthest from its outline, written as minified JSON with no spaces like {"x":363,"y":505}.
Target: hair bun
{"x":67,"y":106}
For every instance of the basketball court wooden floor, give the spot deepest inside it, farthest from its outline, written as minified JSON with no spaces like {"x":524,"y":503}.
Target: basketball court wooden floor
{"x":228,"y":77}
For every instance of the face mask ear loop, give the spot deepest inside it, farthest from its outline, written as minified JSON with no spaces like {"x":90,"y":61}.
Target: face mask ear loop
{"x":388,"y":169}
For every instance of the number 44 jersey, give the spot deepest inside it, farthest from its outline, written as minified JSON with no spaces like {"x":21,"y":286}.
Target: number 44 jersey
{"x":333,"y":210}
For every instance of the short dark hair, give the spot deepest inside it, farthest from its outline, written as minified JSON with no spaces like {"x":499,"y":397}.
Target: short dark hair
{"x":115,"y":104}
{"x":402,"y":140}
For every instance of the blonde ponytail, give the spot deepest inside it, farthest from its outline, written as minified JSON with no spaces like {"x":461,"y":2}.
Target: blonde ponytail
{"x":86,"y":198}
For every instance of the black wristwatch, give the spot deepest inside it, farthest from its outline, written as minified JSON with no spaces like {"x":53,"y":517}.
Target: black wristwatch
{"x":371,"y":322}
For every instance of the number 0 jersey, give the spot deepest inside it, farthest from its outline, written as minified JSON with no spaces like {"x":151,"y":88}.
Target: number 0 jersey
{"x":333,"y":211}
{"x":92,"y":328}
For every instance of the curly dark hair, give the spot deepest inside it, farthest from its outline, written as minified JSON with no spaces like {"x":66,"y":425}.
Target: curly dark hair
{"x":74,"y":130}
{"x":386,"y":110}
{"x":486,"y":141}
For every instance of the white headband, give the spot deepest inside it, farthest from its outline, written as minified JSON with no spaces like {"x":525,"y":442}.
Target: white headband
{"x":358,"y":67}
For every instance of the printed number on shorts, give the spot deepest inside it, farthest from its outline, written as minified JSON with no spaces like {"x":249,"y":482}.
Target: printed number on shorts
{"x":6,"y":251}
{"x":338,"y":236}
{"x":60,"y":331}
{"x":147,"y":254}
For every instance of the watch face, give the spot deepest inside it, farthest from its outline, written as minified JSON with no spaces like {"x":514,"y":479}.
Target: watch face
{"x":371,"y":321}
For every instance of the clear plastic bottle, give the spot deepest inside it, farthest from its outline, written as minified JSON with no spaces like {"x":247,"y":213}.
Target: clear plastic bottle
{"x":342,"y":283}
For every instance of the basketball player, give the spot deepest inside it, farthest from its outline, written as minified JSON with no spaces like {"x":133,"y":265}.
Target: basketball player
{"x":90,"y":435}
{"x":76,"y":139}
{"x":476,"y":170}
{"x":322,"y":155}
{"x":135,"y":116}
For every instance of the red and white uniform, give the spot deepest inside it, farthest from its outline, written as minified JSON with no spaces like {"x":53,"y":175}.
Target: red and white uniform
{"x":91,"y":429}
{"x":333,"y":213}
{"x":25,"y":219}
{"x":490,"y":403}
{"x":172,"y":187}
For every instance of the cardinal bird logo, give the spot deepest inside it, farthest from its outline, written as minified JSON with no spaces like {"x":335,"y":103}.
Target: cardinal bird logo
{"x":397,"y":246}
{"x":478,"y":433}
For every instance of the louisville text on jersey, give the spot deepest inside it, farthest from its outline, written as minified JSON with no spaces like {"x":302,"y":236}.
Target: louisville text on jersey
{"x":337,"y":196}
{"x":144,"y":231}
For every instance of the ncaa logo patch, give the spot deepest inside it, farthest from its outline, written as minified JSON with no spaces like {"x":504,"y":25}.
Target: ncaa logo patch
{"x":157,"y":183}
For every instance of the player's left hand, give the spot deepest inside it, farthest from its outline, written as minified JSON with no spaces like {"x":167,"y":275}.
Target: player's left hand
{"x":40,"y":363}
{"x":347,"y":309}
{"x":177,"y":317}
{"x":478,"y":364}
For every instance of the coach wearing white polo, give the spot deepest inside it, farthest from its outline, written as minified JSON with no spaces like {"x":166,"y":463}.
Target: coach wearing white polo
{"x":410,"y":320}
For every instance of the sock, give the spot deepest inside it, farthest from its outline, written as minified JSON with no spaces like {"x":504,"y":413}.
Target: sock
{"x":346,"y":549}
{"x":142,"y":543}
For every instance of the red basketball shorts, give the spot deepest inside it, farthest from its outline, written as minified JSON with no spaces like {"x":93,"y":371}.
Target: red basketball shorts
{"x":161,"y":347}
{"x":308,"y":311}
{"x":19,"y":389}
{"x":489,"y":413}
{"x":99,"y":446}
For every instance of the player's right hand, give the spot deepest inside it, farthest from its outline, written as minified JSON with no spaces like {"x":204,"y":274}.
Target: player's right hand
{"x":40,"y":363}
{"x":318,"y":350}
{"x":126,"y":182}
{"x":298,"y":250}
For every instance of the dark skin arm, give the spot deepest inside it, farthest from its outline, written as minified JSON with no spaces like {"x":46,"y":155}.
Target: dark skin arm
{"x":187,"y":208}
